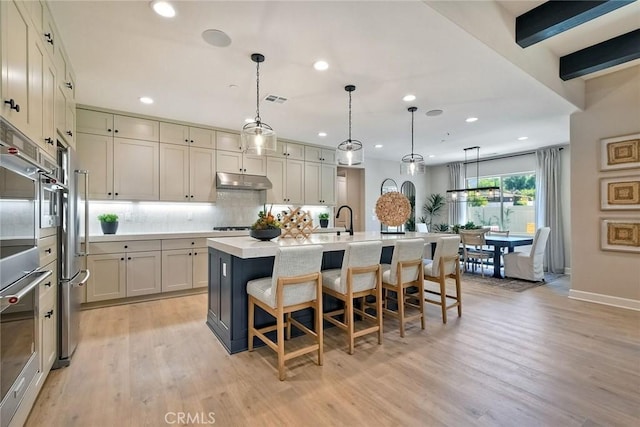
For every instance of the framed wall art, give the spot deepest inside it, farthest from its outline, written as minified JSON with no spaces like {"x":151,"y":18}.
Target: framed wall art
{"x":622,"y":152}
{"x":620,"y":235}
{"x":621,"y":193}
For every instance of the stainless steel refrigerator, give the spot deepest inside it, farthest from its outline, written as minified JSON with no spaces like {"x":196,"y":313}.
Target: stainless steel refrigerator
{"x":72,"y":259}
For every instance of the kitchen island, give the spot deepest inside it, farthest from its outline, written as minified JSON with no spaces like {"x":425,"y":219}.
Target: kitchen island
{"x":233,"y":261}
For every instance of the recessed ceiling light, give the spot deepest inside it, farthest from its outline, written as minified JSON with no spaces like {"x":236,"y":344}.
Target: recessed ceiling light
{"x":248,"y":120}
{"x":431,"y":156}
{"x":163,"y":8}
{"x":322,"y":134}
{"x":522,"y":138}
{"x":378,"y":145}
{"x":216,"y":38}
{"x":146,"y":100}
{"x":409,"y":97}
{"x":471,"y":119}
{"x":321,"y":65}
{"x":433,"y":113}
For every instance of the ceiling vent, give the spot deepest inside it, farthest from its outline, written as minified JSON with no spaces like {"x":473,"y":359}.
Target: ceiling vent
{"x":275,"y":98}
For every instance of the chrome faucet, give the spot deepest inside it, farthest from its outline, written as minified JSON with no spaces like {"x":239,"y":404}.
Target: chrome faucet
{"x":350,"y":229}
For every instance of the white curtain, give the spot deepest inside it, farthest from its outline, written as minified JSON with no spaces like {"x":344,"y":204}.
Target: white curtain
{"x":458,"y":206}
{"x":548,"y":206}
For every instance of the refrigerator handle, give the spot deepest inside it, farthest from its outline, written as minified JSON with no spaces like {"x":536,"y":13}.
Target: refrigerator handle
{"x":86,"y":220}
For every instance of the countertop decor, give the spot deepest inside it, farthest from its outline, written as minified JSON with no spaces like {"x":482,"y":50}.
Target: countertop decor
{"x":266,"y":227}
{"x":393,"y":209}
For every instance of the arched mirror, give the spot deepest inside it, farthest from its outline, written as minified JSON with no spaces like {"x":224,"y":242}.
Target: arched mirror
{"x":409,"y":190}
{"x":388,"y":185}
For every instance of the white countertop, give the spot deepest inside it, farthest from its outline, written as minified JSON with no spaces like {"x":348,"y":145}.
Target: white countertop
{"x":248,"y":247}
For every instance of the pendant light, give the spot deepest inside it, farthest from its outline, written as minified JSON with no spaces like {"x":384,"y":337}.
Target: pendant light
{"x":412,"y":164}
{"x":350,"y":151}
{"x":258,"y":136}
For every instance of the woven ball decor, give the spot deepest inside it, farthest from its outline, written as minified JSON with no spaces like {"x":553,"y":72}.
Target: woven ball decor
{"x":393,"y":209}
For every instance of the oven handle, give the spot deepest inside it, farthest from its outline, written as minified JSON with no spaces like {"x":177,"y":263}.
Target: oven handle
{"x":37,"y":278}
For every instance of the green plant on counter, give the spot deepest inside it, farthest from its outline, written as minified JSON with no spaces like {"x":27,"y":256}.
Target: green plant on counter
{"x":108,"y":217}
{"x":266,"y":220}
{"x":323,"y":215}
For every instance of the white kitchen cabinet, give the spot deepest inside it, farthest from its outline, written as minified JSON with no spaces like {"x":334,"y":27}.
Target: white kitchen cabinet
{"x":184,"y":264}
{"x":318,"y":154}
{"x":236,"y":162}
{"x":228,"y":142}
{"x":95,"y":122}
{"x":144,"y":273}
{"x":48,"y":314}
{"x":65,"y":96}
{"x":174,"y":133}
{"x":36,"y":60}
{"x":187,"y":173}
{"x":136,"y":169}
{"x":95,"y":154}
{"x":107,"y":124}
{"x":48,"y":108}
{"x":289,"y":150}
{"x":108,"y":278}
{"x":319,"y":183}
{"x":287,"y":179}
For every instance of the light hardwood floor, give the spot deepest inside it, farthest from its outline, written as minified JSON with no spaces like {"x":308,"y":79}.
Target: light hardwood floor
{"x":534,"y":358}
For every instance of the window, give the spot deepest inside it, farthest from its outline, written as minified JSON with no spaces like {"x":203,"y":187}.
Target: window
{"x":511,"y":208}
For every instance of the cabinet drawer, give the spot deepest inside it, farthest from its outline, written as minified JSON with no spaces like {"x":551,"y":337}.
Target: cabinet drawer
{"x":49,"y":284}
{"x":170,"y":244}
{"x":124,"y":246}
{"x":48,"y":247}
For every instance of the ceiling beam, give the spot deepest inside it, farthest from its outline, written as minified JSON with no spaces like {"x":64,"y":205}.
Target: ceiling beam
{"x":557,"y":16}
{"x":609,"y":53}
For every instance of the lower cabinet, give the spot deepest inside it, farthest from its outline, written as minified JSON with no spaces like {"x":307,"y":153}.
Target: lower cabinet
{"x":48,"y":318}
{"x":185,"y":267}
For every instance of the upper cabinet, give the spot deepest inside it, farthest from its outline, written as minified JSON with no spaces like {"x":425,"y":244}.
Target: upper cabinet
{"x":107,"y":124}
{"x":173,"y":133}
{"x":234,"y":162}
{"x":318,"y":154}
{"x":289,"y":150}
{"x":228,"y":142}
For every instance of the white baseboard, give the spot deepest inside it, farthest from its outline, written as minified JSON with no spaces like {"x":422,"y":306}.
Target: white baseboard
{"x":627,"y":303}
{"x":567,"y":270}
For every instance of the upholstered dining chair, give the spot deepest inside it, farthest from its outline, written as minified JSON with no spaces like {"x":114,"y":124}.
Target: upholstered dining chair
{"x":521,"y":265}
{"x":405,"y":271}
{"x":445,"y":264}
{"x":359,"y":277}
{"x":473,"y":248}
{"x":294,"y":285}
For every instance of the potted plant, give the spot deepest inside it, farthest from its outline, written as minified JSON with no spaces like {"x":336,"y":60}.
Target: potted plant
{"x":109,"y":223}
{"x":266,"y":227}
{"x":324,"y":219}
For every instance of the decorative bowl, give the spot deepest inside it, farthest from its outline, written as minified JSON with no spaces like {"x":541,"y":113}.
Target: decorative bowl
{"x":266,"y":234}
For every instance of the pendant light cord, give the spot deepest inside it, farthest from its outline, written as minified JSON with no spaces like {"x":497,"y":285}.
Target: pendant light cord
{"x":258,"y":92}
{"x":412,"y":134}
{"x":349,"y":117}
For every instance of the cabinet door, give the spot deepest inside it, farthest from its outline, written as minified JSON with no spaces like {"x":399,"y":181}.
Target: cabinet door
{"x":203,"y":138}
{"x":295,"y":182}
{"x":48,"y":107}
{"x":48,"y":331}
{"x":228,"y":142}
{"x":295,"y":151}
{"x":49,"y":35}
{"x":215,"y":272}
{"x":35,"y":112}
{"x":276,"y":172}
{"x":254,"y":165}
{"x":174,"y":173}
{"x":312,"y":154}
{"x":60,"y":112}
{"x":136,"y":173}
{"x":200,"y":268}
{"x":202,"y":170}
{"x":328,"y":184}
{"x":95,"y":154}
{"x":177,"y":270}
{"x":312,"y":183}
{"x":174,"y":134}
{"x":15,"y":48}
{"x":70,"y":122}
{"x":108,"y":277}
{"x":328,"y":156}
{"x":228,"y":161}
{"x":135,"y":128}
{"x":281,"y":150}
{"x":144,"y":273}
{"x":95,"y":122}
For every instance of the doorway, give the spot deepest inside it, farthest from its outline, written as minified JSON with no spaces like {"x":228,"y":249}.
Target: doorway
{"x":350,"y":191}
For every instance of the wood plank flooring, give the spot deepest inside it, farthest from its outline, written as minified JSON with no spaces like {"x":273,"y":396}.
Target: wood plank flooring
{"x":534,"y":358}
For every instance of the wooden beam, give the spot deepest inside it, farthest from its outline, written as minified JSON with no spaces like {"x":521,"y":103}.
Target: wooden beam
{"x":615,"y":51}
{"x":557,"y":16}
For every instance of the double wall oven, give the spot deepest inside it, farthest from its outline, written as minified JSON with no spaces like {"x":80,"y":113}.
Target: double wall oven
{"x":20,"y":175}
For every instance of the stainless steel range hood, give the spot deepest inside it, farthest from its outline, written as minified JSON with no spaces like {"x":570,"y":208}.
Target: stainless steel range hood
{"x":237,"y":181}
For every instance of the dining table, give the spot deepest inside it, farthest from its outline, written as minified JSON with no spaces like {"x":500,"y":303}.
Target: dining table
{"x":499,"y":242}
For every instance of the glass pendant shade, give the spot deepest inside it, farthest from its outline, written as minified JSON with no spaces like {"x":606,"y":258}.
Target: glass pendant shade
{"x":258,"y":137}
{"x":412,"y":164}
{"x":350,"y":152}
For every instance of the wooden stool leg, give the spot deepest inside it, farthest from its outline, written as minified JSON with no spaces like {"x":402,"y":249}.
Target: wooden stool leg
{"x":459,"y":294}
{"x":421,"y":299}
{"x":251,"y":326}
{"x":349,"y":320}
{"x":280,"y":336}
{"x":319,"y":327}
{"x":400,"y":294}
{"x":443,"y":299}
{"x":379,"y":311}
{"x":288,"y":326}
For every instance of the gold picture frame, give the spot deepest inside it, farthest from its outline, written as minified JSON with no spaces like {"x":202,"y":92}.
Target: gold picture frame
{"x":620,"y":193}
{"x":622,"y":152}
{"x":622,"y":235}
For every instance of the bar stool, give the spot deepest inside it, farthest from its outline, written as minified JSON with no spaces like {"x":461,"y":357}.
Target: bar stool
{"x":295,"y":284}
{"x":445,"y":264}
{"x":359,"y":277}
{"x":405,"y":271}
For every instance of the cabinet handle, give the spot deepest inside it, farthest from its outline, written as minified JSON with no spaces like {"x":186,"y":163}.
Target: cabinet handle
{"x":186,"y":140}
{"x":193,"y":243}
{"x":49,"y":314}
{"x":244,"y":170}
{"x":186,"y":196}
{"x":108,"y":194}
{"x":195,"y":253}
{"x":189,"y":253}
{"x":116,"y":194}
{"x":121,"y":259}
{"x":192,"y":196}
{"x":192,"y":141}
{"x":116,"y":131}
{"x":126,"y":246}
{"x":48,"y":284}
{"x":12,"y":105}
{"x":48,"y":141}
{"x":108,"y":130}
{"x":69,"y":85}
{"x":129,"y":258}
{"x":48,"y":38}
{"x":48,"y":251}
{"x":69,"y":133}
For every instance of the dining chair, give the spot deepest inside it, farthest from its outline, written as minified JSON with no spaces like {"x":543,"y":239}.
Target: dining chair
{"x":295,"y":284}
{"x":405,"y":271}
{"x":360,"y":277}
{"x":473,"y":248}
{"x":521,"y":265}
{"x":445,"y":264}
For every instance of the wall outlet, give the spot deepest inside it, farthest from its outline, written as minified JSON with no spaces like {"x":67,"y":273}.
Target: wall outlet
{"x":189,"y":216}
